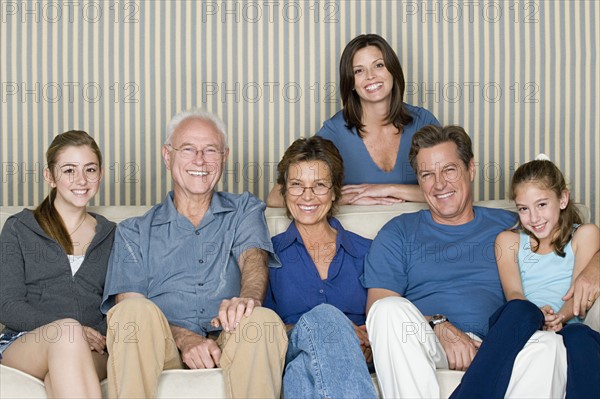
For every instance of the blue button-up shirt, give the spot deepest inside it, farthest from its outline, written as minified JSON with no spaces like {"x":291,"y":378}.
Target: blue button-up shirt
{"x":186,"y":270}
{"x":296,"y":287}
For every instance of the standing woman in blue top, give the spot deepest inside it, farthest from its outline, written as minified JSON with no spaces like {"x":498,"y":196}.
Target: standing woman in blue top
{"x":317,"y":291}
{"x":374,"y":130}
{"x":52,"y":272}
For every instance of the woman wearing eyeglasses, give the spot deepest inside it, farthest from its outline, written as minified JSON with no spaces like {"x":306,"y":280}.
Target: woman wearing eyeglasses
{"x":317,"y":291}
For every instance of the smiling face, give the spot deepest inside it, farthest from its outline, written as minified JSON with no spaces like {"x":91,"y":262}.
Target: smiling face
{"x":539,"y":209}
{"x":372,"y":81}
{"x":194,"y":176}
{"x":75,"y":175}
{"x":308,"y":208}
{"x":446,"y":183}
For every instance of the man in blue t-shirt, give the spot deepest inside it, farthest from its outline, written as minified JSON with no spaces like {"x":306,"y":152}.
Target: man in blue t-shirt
{"x":433,"y":283}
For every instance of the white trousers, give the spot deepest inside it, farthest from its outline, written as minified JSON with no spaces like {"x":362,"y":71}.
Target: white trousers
{"x":407,"y":352}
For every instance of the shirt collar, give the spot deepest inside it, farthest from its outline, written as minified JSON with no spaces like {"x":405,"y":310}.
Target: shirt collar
{"x":292,"y":235}
{"x":168,"y":213}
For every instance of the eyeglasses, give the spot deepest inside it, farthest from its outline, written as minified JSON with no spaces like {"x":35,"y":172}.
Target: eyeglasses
{"x":191,"y":152}
{"x":319,"y":189}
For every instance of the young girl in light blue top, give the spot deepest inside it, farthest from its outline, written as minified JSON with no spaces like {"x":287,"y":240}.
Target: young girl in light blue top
{"x":552,"y":245}
{"x":539,"y":260}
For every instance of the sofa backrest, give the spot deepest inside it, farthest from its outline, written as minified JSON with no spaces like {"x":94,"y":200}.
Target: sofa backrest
{"x":368,"y":220}
{"x":363,"y":220}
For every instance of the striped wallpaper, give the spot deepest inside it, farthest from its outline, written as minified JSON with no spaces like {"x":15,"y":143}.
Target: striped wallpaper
{"x":520,"y":76}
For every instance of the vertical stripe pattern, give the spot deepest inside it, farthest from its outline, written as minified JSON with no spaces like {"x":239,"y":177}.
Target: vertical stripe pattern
{"x":521,"y":77}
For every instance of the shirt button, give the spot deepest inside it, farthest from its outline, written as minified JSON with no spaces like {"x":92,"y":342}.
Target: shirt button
{"x":200,"y":260}
{"x":201,"y":310}
{"x":197,"y":232}
{"x":200,"y":284}
{"x":321,"y":291}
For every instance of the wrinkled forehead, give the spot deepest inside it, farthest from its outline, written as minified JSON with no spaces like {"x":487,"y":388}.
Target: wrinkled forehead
{"x":439,"y":156}
{"x":198,"y":132}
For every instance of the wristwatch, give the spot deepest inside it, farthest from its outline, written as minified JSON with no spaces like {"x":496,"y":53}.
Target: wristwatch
{"x":437,"y":319}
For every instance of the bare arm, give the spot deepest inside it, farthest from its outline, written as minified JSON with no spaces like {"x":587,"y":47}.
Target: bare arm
{"x":506,"y":249}
{"x":197,"y":352}
{"x":124,"y":295}
{"x":381,"y":194}
{"x":255,"y":274}
{"x":275,"y":199}
{"x":585,"y":285}
{"x":375,"y":294}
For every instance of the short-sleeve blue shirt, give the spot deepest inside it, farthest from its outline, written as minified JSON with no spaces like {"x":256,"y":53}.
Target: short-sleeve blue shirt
{"x":296,"y":287}
{"x":442,"y":268}
{"x":187,"y":271}
{"x":359,"y":167}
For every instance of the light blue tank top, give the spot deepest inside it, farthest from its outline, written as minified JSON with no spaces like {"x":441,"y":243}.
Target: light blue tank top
{"x":546,"y":278}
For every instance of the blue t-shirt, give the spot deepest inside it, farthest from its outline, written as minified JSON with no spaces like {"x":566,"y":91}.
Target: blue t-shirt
{"x":442,"y":268}
{"x":545,"y":278}
{"x":296,"y":287}
{"x":359,"y":167}
{"x":187,"y":271}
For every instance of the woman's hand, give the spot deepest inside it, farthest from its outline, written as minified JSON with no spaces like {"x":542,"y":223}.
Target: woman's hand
{"x":95,"y":339}
{"x":552,"y":321}
{"x":363,"y":339}
{"x":369,"y":194}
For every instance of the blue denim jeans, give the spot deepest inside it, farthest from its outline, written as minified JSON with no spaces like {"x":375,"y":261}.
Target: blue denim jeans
{"x":324,"y":359}
{"x":510,"y":328}
{"x":489,"y":374}
{"x":583,"y":359}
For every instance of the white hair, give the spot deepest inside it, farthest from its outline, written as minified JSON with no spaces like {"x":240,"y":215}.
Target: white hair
{"x":196,"y":113}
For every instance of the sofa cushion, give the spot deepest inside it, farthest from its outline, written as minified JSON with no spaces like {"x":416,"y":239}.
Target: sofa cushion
{"x":363,"y":220}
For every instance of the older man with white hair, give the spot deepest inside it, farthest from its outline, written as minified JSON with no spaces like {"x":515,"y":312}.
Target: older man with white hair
{"x":186,"y":281}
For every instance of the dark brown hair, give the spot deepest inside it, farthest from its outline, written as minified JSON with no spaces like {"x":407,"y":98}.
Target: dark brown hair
{"x":548,"y":177}
{"x":46,"y":214}
{"x":398,"y":115}
{"x":432,"y":135}
{"x":314,"y":148}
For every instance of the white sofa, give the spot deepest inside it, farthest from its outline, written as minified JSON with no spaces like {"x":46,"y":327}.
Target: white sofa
{"x":363,"y":220}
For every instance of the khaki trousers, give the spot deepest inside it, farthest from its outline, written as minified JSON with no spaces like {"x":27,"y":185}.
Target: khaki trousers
{"x":141,"y":346}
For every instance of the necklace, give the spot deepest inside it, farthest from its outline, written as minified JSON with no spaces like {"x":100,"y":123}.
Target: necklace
{"x":79,"y":225}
